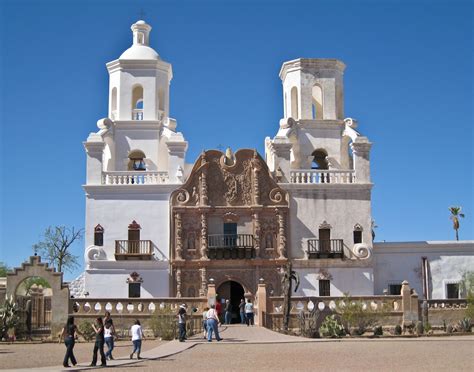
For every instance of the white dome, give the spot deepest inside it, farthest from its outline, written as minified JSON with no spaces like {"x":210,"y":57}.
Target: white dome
{"x":138,"y":51}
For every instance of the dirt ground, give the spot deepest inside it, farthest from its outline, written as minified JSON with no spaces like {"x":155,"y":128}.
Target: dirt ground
{"x":363,"y":355}
{"x":43,"y":355}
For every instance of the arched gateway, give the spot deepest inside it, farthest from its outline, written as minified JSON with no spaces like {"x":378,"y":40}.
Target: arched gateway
{"x":228,"y":221}
{"x":233,"y":291}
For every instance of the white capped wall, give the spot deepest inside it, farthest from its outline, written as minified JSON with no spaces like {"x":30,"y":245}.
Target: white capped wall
{"x":447,"y":261}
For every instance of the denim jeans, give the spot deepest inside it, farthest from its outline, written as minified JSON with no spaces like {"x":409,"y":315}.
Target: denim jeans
{"x":228,"y":317}
{"x":249,"y":318}
{"x":69,"y":342}
{"x":242,"y":318}
{"x":212,"y":327}
{"x":182,"y":331}
{"x":109,"y":341}
{"x":99,"y":346}
{"x":137,"y":346}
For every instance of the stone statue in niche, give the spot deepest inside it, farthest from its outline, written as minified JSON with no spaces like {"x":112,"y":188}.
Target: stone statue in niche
{"x":268,"y":240}
{"x":191,"y":241}
{"x":191,"y":292}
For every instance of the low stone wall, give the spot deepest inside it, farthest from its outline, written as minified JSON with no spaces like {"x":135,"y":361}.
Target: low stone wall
{"x":445,"y":312}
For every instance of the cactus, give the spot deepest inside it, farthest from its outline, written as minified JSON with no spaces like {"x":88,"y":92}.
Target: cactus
{"x":8,"y":316}
{"x":465,"y":325}
{"x":331,"y":327}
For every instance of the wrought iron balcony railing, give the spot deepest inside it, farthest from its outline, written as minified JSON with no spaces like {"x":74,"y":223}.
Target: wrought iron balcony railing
{"x":325,"y":248}
{"x":133,"y":250}
{"x":230,"y":246}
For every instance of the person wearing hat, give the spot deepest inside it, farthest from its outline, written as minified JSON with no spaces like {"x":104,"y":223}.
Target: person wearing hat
{"x":182,"y":322}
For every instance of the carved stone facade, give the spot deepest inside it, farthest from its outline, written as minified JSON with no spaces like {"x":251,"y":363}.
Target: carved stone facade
{"x":228,"y":190}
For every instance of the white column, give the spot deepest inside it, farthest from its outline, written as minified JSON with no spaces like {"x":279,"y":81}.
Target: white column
{"x":361,"y":150}
{"x":281,"y":149}
{"x":176,"y":152}
{"x":94,"y":149}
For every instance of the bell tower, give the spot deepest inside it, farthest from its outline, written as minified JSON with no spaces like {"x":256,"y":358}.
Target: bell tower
{"x":313,"y":89}
{"x":139,"y":80}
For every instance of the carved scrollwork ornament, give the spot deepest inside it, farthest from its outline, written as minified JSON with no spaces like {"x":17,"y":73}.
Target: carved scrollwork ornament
{"x":182,"y":197}
{"x":362,"y":251}
{"x":203,"y":236}
{"x":277,"y":196}
{"x":178,"y":236}
{"x":178,"y":282}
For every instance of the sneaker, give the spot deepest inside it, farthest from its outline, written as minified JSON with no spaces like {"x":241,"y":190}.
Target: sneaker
{"x":111,"y":357}
{"x":131,"y":356}
{"x":220,"y":339}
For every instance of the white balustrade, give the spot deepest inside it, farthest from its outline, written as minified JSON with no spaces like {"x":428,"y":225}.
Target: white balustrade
{"x":134,"y":178}
{"x":137,"y":114}
{"x":312,"y":176}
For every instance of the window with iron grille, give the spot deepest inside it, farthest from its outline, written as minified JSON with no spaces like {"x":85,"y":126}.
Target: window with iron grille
{"x":324,"y":287}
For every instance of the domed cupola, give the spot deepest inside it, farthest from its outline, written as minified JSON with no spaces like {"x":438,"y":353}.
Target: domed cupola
{"x":140,"y":48}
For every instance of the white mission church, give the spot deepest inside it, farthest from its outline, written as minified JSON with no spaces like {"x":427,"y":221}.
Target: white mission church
{"x":157,"y":226}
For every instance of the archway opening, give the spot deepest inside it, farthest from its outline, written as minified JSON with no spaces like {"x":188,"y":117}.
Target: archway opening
{"x":234,"y":292}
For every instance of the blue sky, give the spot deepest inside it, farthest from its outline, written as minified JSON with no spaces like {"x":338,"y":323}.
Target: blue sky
{"x":408,"y":81}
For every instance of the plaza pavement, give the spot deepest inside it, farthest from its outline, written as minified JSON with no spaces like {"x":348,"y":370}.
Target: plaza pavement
{"x":256,"y":339}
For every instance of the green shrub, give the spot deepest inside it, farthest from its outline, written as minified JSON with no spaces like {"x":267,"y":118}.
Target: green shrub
{"x":378,"y":331}
{"x":331,"y":327}
{"x":87,"y":330}
{"x":9,"y":317}
{"x":163,"y":323}
{"x":357,"y":317}
{"x":398,"y":330}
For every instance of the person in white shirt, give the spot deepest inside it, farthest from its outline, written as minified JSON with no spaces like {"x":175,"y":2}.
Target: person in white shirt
{"x":212,"y":323}
{"x":137,"y":337}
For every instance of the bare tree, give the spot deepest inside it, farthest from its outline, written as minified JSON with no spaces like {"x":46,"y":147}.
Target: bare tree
{"x":56,"y":244}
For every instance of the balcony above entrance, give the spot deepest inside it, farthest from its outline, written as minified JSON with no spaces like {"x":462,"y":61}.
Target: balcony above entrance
{"x":231,"y":246}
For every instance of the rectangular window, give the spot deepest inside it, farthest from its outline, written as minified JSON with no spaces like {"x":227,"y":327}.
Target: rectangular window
{"x":357,"y":237}
{"x":324,"y":287}
{"x":394,"y":289}
{"x":452,"y":290}
{"x":134,"y":290}
{"x":99,"y":238}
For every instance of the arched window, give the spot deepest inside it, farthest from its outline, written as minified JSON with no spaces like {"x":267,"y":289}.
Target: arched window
{"x":294,"y":103}
{"x":113,"y":103}
{"x":136,"y":161}
{"x":137,"y":103}
{"x":99,"y":235}
{"x":317,"y":102}
{"x":320,"y":160}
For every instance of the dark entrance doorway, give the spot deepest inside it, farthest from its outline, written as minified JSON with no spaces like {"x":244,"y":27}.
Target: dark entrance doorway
{"x":234,"y":292}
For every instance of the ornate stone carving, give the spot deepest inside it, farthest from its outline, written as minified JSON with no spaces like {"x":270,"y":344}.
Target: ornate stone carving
{"x":281,"y":234}
{"x":178,"y":228}
{"x":203,"y":288}
{"x":182,"y":197}
{"x":230,"y":217}
{"x":325,"y":225}
{"x":358,"y":227}
{"x":256,"y":233}
{"x":204,"y":236}
{"x":324,"y":274}
{"x":178,"y":282}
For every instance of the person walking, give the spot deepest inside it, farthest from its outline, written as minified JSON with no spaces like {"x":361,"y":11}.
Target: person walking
{"x":109,"y":333}
{"x":99,"y":343}
{"x":69,"y":333}
{"x":228,"y":312}
{"x":212,"y":324}
{"x":137,"y":337}
{"x":242,"y":311}
{"x":204,"y":321}
{"x":182,"y":323}
{"x":249,"y":312}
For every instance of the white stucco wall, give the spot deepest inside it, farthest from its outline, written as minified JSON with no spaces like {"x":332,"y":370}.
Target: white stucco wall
{"x":342,"y":208}
{"x":111,"y":281}
{"x":356,"y":281}
{"x":447,"y":261}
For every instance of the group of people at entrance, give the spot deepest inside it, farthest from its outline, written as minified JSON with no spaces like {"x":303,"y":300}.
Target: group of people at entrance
{"x":104,"y":335}
{"x":245,"y":311}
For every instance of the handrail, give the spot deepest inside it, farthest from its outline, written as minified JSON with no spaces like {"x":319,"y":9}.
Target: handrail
{"x":134,"y":178}
{"x":317,"y":176}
